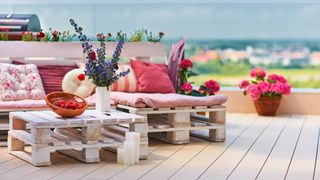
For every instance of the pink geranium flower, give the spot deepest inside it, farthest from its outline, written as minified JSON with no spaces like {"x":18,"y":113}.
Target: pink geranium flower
{"x":277,"y":88}
{"x":185,"y":64}
{"x":282,"y":79}
{"x":253,"y":91}
{"x":244,"y":84}
{"x":264,"y":87}
{"x":186,"y":88}
{"x":258,"y":72}
{"x":212,"y":86}
{"x":273,"y":77}
{"x":287,"y":89}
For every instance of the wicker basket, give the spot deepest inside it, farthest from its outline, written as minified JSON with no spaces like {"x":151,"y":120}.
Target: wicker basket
{"x":53,"y":97}
{"x":267,"y":106}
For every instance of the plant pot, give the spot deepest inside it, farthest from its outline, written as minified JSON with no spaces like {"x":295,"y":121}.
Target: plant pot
{"x":267,"y":106}
{"x":102,"y":99}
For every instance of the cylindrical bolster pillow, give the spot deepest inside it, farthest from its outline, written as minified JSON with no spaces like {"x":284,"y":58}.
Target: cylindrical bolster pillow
{"x":71,"y":84}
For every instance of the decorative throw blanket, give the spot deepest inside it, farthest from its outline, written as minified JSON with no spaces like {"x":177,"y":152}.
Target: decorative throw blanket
{"x":156,"y":100}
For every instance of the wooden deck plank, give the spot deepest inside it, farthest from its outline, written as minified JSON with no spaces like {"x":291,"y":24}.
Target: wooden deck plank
{"x":250,"y":165}
{"x":159,"y":155}
{"x":295,"y":151}
{"x":303,"y":161}
{"x":194,"y":168}
{"x":279,"y":159}
{"x":224,"y":165}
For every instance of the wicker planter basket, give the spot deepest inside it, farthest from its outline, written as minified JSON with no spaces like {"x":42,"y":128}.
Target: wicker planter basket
{"x":267,"y":106}
{"x":53,"y":97}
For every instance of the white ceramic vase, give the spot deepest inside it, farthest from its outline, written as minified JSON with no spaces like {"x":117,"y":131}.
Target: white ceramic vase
{"x":102,"y":99}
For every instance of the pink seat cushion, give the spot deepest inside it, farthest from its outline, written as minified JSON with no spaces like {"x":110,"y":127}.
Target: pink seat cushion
{"x":36,"y":104}
{"x":51,"y":75}
{"x":152,"y":78}
{"x":157,"y":100}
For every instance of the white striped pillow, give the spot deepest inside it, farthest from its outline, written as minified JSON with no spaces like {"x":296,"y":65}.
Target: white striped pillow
{"x":128,"y":83}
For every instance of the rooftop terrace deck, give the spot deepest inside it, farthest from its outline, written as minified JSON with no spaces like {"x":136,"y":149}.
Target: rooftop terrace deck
{"x":256,"y":147}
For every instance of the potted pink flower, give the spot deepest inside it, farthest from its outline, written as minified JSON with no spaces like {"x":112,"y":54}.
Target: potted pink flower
{"x":266,"y":91}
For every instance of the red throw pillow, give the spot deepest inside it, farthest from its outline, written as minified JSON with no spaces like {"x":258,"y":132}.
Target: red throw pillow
{"x":51,"y":75}
{"x":152,"y":77}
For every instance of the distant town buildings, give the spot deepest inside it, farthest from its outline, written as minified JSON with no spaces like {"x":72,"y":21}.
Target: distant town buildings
{"x":258,"y":56}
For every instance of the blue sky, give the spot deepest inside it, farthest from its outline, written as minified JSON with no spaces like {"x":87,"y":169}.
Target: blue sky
{"x":219,"y":20}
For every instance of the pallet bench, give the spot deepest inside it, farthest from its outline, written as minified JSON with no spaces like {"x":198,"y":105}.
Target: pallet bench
{"x":175,"y":124}
{"x":88,"y":132}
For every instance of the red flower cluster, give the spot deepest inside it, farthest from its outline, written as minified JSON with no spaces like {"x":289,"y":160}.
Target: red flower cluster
{"x":185,"y":64}
{"x":69,"y":104}
{"x":101,"y":37}
{"x":40,"y":35}
{"x":81,"y":77}
{"x":212,"y":86}
{"x":92,"y":56}
{"x":186,"y":88}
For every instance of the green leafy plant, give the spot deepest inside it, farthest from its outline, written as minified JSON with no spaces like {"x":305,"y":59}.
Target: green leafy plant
{"x":152,"y":38}
{"x":66,"y":36}
{"x":121,"y":36}
{"x":137,"y":36}
{"x":4,"y":36}
{"x":27,"y":36}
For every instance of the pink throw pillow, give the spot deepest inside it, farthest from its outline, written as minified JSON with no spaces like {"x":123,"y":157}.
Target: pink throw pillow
{"x":152,"y":77}
{"x":52,"y":76}
{"x":19,"y":82}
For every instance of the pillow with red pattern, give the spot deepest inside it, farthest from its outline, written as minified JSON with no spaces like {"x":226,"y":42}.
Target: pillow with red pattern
{"x":152,"y":77}
{"x":52,"y":75}
{"x":19,"y":82}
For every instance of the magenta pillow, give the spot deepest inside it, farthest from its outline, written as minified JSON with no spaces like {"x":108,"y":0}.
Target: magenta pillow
{"x":51,"y":76}
{"x":152,"y":77}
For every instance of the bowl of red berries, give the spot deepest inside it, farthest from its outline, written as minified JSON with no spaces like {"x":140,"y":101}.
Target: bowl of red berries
{"x":66,"y":104}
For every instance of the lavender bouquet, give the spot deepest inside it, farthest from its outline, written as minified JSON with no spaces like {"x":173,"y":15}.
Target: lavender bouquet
{"x":102,"y":72}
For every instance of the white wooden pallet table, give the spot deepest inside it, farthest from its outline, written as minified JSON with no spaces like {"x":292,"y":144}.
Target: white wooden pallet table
{"x":80,"y":137}
{"x":175,"y":124}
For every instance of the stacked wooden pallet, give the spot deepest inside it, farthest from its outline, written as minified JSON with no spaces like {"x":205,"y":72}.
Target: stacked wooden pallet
{"x":80,"y":137}
{"x":174,"y":124}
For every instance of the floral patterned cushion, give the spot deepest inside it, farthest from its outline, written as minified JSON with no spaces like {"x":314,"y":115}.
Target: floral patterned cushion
{"x":20,"y":82}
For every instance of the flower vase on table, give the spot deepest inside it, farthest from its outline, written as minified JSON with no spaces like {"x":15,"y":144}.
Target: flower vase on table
{"x":102,"y":99}
{"x":102,"y":72}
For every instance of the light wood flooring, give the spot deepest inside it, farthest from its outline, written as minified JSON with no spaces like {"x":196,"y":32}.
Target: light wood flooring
{"x":283,"y":147}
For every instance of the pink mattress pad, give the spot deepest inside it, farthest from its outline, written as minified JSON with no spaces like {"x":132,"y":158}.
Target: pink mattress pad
{"x":156,"y":100}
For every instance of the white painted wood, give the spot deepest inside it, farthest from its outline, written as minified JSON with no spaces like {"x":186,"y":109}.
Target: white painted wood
{"x":303,"y":161}
{"x":279,"y":160}
{"x":180,"y":167}
{"x":251,"y":164}
{"x":73,"y":50}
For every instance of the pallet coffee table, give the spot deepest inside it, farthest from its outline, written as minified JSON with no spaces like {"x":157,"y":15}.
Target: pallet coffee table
{"x":80,"y":137}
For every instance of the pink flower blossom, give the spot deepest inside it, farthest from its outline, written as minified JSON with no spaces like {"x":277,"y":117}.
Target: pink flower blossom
{"x":187,"y":88}
{"x":258,"y":72}
{"x":264,"y":87}
{"x":273,"y":77}
{"x":282,"y":79}
{"x":253,"y":91}
{"x":244,"y":84}
{"x":277,"y":88}
{"x":287,"y":89}
{"x":212,"y":86}
{"x":185,"y":64}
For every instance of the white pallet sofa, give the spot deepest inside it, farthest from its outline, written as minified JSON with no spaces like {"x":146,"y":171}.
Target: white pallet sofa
{"x":62,"y":53}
